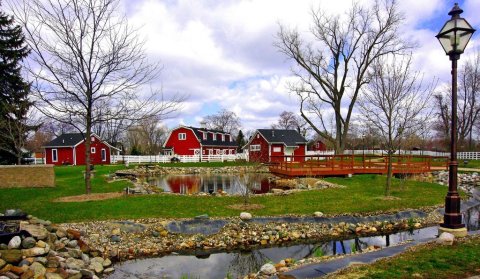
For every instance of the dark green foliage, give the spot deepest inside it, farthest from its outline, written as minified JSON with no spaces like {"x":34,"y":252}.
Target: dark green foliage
{"x":240,"y":141}
{"x":14,"y":90}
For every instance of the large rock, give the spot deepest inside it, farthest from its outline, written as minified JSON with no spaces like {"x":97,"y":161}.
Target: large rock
{"x":11,"y":256}
{"x":28,"y":243}
{"x":268,"y":269}
{"x":318,"y":214}
{"x":2,"y":263}
{"x":35,"y":251}
{"x":245,"y":216}
{"x":37,"y":231}
{"x":38,"y":269}
{"x":446,"y":238}
{"x":15,"y":242}
{"x":53,"y":276}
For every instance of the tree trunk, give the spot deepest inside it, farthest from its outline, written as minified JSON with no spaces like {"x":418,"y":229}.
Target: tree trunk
{"x":389,"y":174}
{"x":88,"y":186}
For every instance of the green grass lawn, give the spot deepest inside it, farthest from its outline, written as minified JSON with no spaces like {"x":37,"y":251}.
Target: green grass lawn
{"x":472,"y":164}
{"x":429,"y":261}
{"x":362,"y":194}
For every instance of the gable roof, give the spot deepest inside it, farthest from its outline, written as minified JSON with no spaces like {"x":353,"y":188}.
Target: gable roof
{"x":209,"y":141}
{"x":287,"y":137}
{"x":66,"y":140}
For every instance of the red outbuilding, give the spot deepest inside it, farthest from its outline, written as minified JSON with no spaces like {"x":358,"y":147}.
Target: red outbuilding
{"x":271,"y":145}
{"x":317,"y":145}
{"x":69,"y":149}
{"x":199,"y":141}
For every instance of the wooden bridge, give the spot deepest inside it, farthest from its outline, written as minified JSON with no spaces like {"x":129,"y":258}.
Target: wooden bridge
{"x":340,"y":165}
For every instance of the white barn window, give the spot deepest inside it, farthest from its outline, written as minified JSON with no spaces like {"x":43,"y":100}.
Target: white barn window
{"x":182,"y":136}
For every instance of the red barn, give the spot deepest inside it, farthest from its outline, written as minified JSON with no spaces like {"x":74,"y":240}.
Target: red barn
{"x":317,"y":145}
{"x":69,"y":149}
{"x":199,"y":141}
{"x":267,"y":145}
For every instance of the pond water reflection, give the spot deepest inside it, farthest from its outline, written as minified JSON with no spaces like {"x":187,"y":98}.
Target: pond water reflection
{"x":235,"y":184}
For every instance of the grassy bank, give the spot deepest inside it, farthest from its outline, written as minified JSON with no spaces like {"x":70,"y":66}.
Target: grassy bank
{"x":362,"y":194}
{"x":461,"y":260}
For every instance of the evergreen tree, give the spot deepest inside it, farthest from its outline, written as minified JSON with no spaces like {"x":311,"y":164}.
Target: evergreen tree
{"x":14,"y":90}
{"x":240,"y":141}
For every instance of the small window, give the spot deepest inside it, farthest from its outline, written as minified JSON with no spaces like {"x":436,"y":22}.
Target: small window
{"x":258,"y":136}
{"x":93,"y":150}
{"x":93,"y":139}
{"x":223,"y":137}
{"x":182,"y":136}
{"x":54,"y":155}
{"x":104,"y":154}
{"x":255,"y":147}
{"x":204,"y":136}
{"x":277,"y":149}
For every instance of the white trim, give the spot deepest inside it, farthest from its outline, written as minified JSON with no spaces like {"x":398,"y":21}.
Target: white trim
{"x":56,"y":155}
{"x":93,"y":150}
{"x":103,"y":151}
{"x":182,"y":136}
{"x":74,"y":155}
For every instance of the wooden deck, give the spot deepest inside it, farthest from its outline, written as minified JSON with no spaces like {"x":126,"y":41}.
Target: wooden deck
{"x":340,"y":165}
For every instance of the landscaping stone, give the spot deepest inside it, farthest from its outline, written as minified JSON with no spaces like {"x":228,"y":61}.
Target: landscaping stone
{"x":11,"y":256}
{"x":38,"y":269}
{"x":15,"y":242}
{"x":2,"y":263}
{"x":203,"y":216}
{"x":318,"y":214}
{"x":268,"y":269}
{"x":245,"y":216}
{"x":28,"y":242}
{"x":446,"y":238}
{"x":37,"y":231}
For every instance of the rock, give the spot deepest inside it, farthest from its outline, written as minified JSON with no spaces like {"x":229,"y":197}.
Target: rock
{"x":73,"y":234}
{"x":277,"y":191}
{"x":86,"y":259}
{"x":28,"y":274}
{"x":164,"y":233}
{"x":11,"y":275}
{"x":72,"y":244}
{"x":38,"y":269}
{"x":318,"y":214}
{"x":53,"y":276}
{"x":107,"y":262}
{"x":108,"y":270}
{"x":87,"y":273}
{"x":61,"y":232}
{"x":245,"y":216}
{"x":2,"y":263}
{"x":268,"y":269}
{"x":33,"y":252}
{"x":41,"y":244}
{"x":28,"y":243}
{"x":98,"y":267}
{"x":24,"y":262}
{"x":52,"y":262}
{"x":75,"y":253}
{"x":446,"y":238}
{"x":155,"y":234}
{"x":37,"y":231}
{"x":41,"y":260}
{"x":115,"y":238}
{"x":11,"y":256}
{"x":116,"y":231}
{"x":15,"y":242}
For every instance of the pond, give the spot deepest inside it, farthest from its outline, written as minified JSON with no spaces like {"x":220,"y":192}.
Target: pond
{"x":239,"y":263}
{"x":232,"y":184}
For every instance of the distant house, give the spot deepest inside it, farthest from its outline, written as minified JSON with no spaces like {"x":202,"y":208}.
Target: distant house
{"x":186,"y":140}
{"x":317,"y":145}
{"x":269,"y":145}
{"x":69,"y":149}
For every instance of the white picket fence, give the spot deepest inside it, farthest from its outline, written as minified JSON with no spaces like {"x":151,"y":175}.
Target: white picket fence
{"x":133,"y":159}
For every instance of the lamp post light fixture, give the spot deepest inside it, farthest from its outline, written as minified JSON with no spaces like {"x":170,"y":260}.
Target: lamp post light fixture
{"x":454,"y":37}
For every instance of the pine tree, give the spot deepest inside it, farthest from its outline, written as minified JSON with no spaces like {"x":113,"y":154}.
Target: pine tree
{"x":14,"y":90}
{"x":240,"y":141}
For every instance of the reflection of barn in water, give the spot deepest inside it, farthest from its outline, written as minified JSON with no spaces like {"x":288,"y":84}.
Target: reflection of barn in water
{"x":191,"y":184}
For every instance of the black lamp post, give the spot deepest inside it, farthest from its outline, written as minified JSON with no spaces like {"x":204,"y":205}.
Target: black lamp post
{"x":454,"y":37}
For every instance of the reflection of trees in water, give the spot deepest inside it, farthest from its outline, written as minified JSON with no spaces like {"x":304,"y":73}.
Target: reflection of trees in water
{"x":245,"y":263}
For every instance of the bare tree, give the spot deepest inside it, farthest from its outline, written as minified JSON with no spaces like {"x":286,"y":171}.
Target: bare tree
{"x":468,"y":110}
{"x":395,"y":102}
{"x":224,"y":120}
{"x":332,"y":69}
{"x":89,"y":66}
{"x":290,"y":121}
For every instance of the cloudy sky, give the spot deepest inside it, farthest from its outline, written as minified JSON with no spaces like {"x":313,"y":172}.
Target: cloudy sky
{"x":221,"y":53}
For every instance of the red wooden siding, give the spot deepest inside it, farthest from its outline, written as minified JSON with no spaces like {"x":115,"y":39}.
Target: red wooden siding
{"x":95,"y":158}
{"x":262,"y":155}
{"x":183,"y":147}
{"x":64,"y":156}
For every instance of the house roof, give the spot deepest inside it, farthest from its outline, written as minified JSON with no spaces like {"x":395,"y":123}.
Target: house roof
{"x":71,"y":140}
{"x":66,"y":140}
{"x":287,"y":137}
{"x":209,"y":141}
